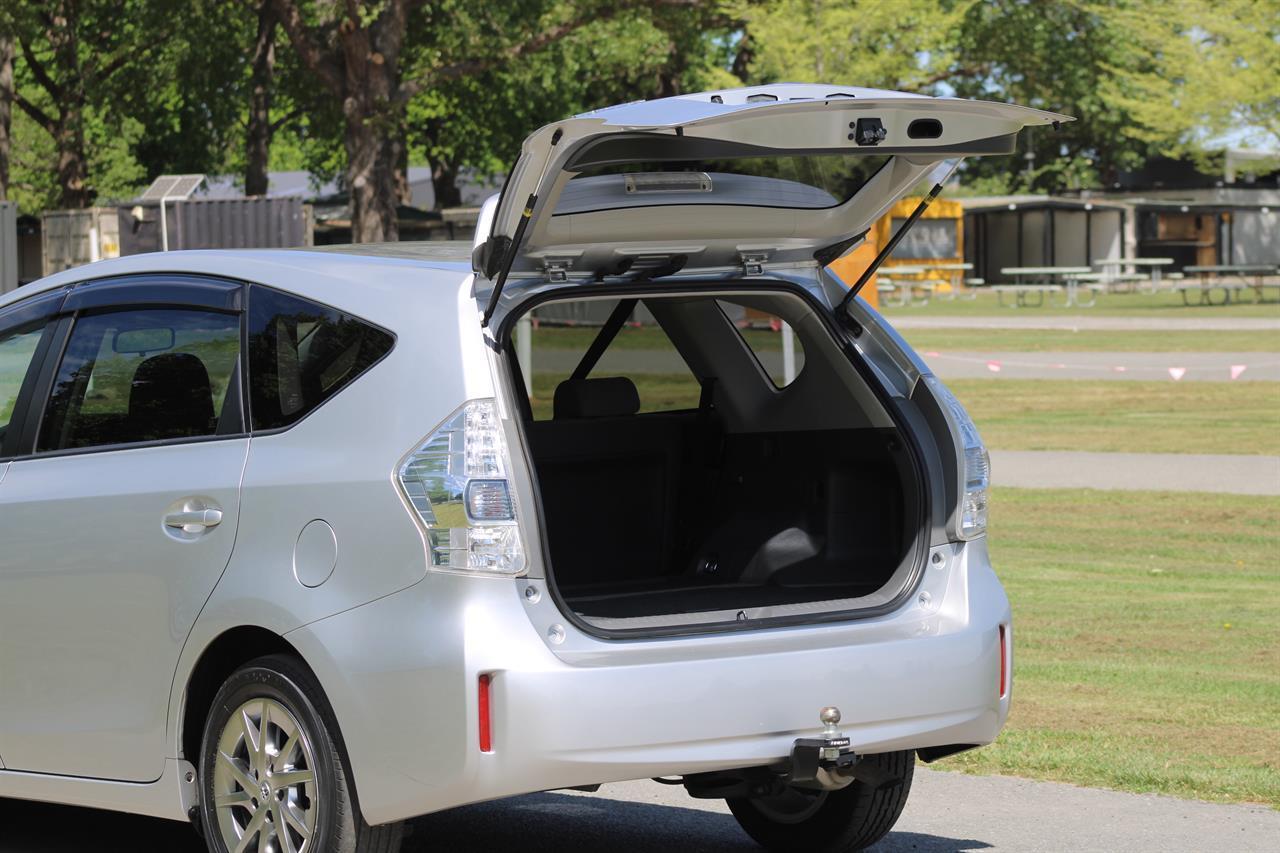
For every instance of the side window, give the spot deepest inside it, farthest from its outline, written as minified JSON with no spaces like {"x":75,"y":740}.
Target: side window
{"x":773,"y":344}
{"x":302,"y":353}
{"x":141,"y":375}
{"x":17,"y":348}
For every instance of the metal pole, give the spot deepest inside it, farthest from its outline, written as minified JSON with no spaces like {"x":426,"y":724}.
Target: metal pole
{"x":788,"y":354}
{"x":164,"y":227}
{"x":524,"y":351}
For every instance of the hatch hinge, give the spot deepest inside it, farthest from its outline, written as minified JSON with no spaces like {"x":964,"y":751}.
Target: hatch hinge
{"x":557,"y":269}
{"x":753,"y":263}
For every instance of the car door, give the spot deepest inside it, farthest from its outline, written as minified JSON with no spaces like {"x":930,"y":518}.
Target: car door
{"x":117,"y":517}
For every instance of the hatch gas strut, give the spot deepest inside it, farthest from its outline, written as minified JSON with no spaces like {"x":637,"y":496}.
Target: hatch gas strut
{"x":894,"y":241}
{"x":888,"y":248}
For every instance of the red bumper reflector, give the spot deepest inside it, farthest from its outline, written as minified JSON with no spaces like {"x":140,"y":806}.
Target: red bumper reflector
{"x":486,"y":725}
{"x":1004,"y":665}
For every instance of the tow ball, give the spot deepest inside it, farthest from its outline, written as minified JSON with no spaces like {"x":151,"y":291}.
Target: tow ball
{"x":825,"y":763}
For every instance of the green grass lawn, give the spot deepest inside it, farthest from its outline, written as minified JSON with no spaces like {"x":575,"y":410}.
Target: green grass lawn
{"x":1154,"y":417}
{"x":1045,"y":340}
{"x":990,"y":340}
{"x":1115,"y":304}
{"x":1066,"y":414}
{"x":1147,"y":650}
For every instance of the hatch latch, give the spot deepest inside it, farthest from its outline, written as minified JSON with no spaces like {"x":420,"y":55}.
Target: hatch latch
{"x":557,"y":269}
{"x":753,"y":263}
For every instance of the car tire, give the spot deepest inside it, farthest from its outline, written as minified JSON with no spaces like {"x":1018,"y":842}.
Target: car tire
{"x":315,"y":802}
{"x":852,"y":818}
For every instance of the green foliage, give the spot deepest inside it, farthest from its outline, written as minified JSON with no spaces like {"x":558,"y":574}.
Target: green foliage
{"x":165,"y":83}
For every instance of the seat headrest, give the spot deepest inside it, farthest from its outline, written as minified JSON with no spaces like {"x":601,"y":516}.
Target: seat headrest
{"x":612,"y":397}
{"x":171,"y":397}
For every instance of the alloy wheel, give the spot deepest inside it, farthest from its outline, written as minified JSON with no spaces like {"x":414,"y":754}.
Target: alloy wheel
{"x":264,"y":781}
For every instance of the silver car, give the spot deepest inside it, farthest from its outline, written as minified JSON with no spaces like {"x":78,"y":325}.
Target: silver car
{"x":298,"y":545}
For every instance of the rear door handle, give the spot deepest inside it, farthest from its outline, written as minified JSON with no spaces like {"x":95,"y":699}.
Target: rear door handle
{"x":194,"y":520}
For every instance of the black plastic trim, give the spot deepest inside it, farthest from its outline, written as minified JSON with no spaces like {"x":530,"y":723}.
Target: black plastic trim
{"x":59,"y":333}
{"x":619,"y":148}
{"x":840,"y":335}
{"x":12,"y":444}
{"x":162,"y":289}
{"x":930,"y":754}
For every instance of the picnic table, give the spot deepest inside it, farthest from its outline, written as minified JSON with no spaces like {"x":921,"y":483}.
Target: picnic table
{"x":904,"y":291}
{"x":955,"y":278}
{"x":1155,"y":268}
{"x":1071,"y":284}
{"x":1231,"y":279}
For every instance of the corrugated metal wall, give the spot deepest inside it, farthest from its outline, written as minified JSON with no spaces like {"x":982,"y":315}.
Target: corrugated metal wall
{"x":233,"y":223}
{"x":8,"y":246}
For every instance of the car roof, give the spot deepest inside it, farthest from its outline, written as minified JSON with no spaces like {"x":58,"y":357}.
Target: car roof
{"x":354,"y":263}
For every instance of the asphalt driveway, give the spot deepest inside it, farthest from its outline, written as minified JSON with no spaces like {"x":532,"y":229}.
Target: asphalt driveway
{"x":947,"y":813}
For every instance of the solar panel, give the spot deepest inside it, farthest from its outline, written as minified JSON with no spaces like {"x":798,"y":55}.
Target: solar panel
{"x":172,"y":187}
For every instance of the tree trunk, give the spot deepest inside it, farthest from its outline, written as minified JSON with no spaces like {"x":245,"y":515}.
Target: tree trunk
{"x":372,"y":159}
{"x":6,"y":111}
{"x":73,"y":166}
{"x":261,"y":84}
{"x":444,"y":180}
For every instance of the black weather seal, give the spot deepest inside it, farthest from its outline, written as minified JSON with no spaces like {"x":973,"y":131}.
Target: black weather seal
{"x":509,"y":260}
{"x":608,"y":332}
{"x":841,"y":309}
{"x":828,"y":254}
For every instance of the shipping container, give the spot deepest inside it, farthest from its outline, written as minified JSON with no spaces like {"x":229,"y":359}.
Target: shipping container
{"x":72,"y":238}
{"x":9,"y":257}
{"x":232,"y":223}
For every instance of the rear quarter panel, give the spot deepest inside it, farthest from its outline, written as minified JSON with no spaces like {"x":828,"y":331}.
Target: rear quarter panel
{"x":338,"y":464}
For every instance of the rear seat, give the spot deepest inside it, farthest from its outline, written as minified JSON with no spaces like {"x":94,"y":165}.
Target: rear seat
{"x":610,"y":481}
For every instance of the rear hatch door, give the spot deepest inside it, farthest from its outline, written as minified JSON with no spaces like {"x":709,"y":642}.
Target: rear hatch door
{"x":723,"y":182}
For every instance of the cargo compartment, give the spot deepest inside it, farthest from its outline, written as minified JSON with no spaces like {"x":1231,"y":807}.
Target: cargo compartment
{"x":691,"y":475}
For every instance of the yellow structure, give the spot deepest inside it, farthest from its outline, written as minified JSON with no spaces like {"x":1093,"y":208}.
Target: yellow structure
{"x":937,"y":238}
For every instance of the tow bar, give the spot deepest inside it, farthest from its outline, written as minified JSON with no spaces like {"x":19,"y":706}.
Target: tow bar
{"x":824,"y":763}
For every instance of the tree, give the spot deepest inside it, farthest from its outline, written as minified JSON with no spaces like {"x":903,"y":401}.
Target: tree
{"x":258,"y":127}
{"x":478,"y":122}
{"x":1195,"y":72}
{"x":901,"y":45}
{"x":6,"y":110}
{"x":375,"y":58}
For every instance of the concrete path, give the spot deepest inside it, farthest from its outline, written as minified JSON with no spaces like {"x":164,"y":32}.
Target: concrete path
{"x":946,"y":813}
{"x":1160,"y":366}
{"x":1016,"y":319}
{"x":1177,"y":472}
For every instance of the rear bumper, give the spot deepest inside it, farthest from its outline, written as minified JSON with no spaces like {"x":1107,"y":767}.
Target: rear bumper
{"x":401,"y":674}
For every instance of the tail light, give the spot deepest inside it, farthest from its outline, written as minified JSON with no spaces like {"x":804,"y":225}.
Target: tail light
{"x":975,"y":473}
{"x":458,"y":485}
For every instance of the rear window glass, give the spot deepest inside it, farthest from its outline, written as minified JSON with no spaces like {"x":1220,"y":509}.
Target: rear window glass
{"x":560,"y":334}
{"x":301,"y":353}
{"x":808,"y":182}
